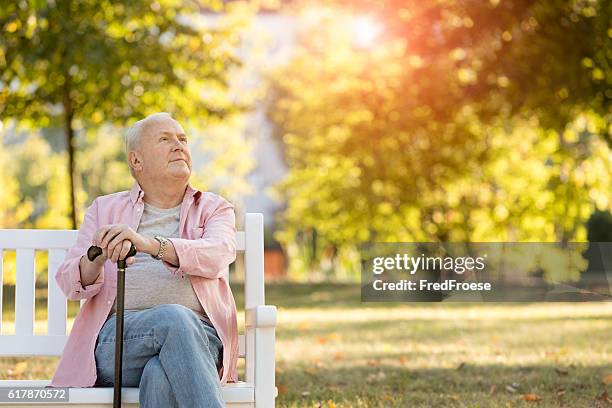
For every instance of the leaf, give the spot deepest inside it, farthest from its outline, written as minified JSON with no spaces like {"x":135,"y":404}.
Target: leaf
{"x":531,"y":397}
{"x":605,"y":397}
{"x":339,"y":356}
{"x":492,"y":389}
{"x":281,"y":388}
{"x":561,"y":371}
{"x":607,"y":380}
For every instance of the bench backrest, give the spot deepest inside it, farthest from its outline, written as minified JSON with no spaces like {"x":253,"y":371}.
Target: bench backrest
{"x":25,"y":241}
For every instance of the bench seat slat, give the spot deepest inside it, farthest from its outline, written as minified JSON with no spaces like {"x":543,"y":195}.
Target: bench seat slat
{"x":239,"y":392}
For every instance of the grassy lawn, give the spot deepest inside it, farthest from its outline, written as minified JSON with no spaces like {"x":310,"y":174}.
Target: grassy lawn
{"x":334,"y":351}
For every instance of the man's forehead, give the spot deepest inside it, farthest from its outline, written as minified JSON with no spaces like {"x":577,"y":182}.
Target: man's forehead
{"x":161,"y":126}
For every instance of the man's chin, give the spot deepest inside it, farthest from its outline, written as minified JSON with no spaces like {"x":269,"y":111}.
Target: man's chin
{"x":180,"y":174}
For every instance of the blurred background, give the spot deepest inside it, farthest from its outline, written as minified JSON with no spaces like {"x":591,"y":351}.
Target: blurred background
{"x":344,"y":122}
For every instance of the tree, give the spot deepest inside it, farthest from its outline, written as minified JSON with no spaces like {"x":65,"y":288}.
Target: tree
{"x":403,"y":141}
{"x":77,"y":64}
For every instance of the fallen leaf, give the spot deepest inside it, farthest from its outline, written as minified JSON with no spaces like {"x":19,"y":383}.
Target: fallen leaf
{"x":492,"y":389}
{"x":561,"y":371}
{"x":281,"y":388}
{"x":331,"y":404}
{"x":560,"y":392}
{"x":607,"y":380}
{"x":402,"y":359}
{"x":373,"y":363}
{"x":321,"y":340}
{"x":339,"y":356}
{"x":605,"y":397}
{"x":510,"y":388}
{"x":454,"y":397}
{"x":531,"y":397}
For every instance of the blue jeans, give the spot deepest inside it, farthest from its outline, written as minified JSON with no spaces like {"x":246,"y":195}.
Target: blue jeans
{"x":169,"y":352}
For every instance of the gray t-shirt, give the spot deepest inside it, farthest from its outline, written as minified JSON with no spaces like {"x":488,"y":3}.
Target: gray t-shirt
{"x":148,"y":282}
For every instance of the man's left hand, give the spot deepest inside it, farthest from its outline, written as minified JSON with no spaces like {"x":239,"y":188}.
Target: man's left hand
{"x":112,"y":236}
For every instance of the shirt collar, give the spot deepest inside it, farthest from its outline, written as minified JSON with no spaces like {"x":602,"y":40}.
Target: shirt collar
{"x":136,"y":191}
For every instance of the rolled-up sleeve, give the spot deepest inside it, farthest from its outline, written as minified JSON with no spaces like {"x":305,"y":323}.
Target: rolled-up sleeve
{"x":68,"y":275}
{"x":210,"y":255}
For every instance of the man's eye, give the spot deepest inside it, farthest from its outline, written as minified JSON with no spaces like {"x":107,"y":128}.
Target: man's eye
{"x":163,"y":138}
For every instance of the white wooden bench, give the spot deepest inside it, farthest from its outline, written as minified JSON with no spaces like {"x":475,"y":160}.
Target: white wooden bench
{"x":256,"y":345}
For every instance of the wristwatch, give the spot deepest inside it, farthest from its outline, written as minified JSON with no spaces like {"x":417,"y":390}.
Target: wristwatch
{"x":163,"y":244}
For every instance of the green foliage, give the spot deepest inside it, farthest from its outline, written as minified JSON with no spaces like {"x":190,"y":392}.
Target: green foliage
{"x":432,"y":135}
{"x":111,"y":61}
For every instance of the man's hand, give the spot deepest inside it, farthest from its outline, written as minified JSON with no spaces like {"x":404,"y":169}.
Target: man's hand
{"x":114,"y":239}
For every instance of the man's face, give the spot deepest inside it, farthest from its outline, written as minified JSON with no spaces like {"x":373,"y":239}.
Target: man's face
{"x":164,"y":150}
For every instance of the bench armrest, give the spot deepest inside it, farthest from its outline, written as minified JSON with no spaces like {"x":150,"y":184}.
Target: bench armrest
{"x":261,"y":316}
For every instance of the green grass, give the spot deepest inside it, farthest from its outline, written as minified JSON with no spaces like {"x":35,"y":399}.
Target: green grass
{"x":333,"y":350}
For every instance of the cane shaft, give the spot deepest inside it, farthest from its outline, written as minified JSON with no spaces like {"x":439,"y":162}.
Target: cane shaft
{"x":119,"y":337}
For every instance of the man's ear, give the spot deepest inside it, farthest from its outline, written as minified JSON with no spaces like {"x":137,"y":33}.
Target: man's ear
{"x":135,"y":161}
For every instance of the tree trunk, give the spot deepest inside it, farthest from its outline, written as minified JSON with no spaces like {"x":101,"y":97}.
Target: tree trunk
{"x":69,"y":132}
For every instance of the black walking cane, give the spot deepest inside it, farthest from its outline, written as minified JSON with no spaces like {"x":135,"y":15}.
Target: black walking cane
{"x":92,"y":253}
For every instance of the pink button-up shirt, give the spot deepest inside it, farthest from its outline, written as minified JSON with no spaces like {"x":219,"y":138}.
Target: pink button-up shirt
{"x":205,"y":250}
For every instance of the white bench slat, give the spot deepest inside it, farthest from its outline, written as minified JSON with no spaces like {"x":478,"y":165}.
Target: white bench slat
{"x":59,"y":239}
{"x":56,"y":301}
{"x":24,"y":292}
{"x":53,"y":345}
{"x":22,"y":346}
{"x":233,"y":393}
{"x":37,"y":238}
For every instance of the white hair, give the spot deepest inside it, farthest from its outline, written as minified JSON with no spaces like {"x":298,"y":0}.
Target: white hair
{"x":134,"y":132}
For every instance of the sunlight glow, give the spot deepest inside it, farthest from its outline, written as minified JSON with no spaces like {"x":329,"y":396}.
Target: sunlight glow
{"x":366,"y":31}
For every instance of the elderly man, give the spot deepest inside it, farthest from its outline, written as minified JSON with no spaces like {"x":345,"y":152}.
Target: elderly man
{"x":180,"y":330}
